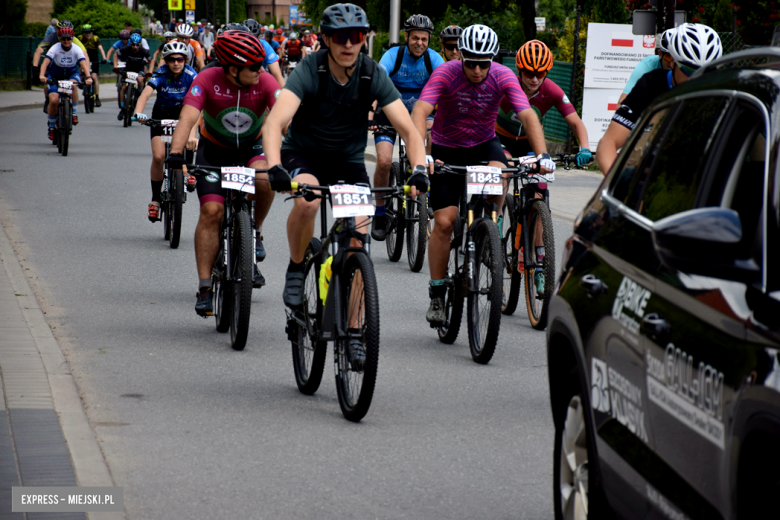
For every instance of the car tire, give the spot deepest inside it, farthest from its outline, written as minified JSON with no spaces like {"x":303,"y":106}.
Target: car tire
{"x":577,"y":493}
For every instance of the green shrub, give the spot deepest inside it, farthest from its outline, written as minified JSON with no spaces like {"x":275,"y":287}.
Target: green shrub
{"x":381,"y":44}
{"x":36,"y":29}
{"x":508,"y":24}
{"x":106,"y":18}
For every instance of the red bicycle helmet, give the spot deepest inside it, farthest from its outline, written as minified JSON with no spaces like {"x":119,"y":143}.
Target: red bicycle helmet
{"x":238,"y":48}
{"x":65,"y":32}
{"x":279,"y":32}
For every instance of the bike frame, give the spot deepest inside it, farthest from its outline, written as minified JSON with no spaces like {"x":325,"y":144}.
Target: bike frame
{"x":523,"y":193}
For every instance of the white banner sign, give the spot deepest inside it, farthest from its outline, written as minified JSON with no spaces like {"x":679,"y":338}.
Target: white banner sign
{"x":540,"y":23}
{"x":612,"y":54}
{"x":598,"y":105}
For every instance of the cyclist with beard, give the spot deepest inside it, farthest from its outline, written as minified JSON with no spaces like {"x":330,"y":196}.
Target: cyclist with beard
{"x":409,"y":68}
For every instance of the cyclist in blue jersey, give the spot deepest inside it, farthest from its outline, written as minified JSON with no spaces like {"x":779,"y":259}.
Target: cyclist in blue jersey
{"x":662,"y":59}
{"x":409,"y":68}
{"x":172,"y":81}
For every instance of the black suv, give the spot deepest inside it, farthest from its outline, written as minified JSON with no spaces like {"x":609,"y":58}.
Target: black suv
{"x":663,"y":341}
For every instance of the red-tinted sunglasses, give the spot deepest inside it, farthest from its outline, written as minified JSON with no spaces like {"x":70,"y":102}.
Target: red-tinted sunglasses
{"x":353,"y":35}
{"x":531,"y":74}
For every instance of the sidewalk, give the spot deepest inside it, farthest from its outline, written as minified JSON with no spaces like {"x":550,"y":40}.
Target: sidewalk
{"x":11,"y":100}
{"x":45,"y":436}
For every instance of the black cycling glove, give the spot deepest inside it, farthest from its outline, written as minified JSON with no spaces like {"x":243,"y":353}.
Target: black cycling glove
{"x":279,"y":178}
{"x":419,"y":180}
{"x":175,"y":161}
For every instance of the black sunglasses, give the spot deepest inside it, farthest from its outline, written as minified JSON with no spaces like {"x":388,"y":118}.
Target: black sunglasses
{"x":451,"y":46}
{"x":255,"y":67}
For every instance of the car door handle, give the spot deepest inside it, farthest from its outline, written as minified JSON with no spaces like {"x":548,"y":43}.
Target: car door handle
{"x":655,"y":326}
{"x":593,"y":285}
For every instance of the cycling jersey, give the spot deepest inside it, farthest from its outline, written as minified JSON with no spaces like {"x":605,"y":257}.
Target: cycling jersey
{"x":64,"y":63}
{"x":466,"y":112}
{"x":548,"y":95}
{"x":135,"y":60}
{"x":193,"y":51}
{"x":648,"y":88}
{"x":51,"y":39}
{"x":232,"y":116}
{"x":294,"y":47}
{"x":337,"y":126}
{"x":92,"y":43}
{"x":171,"y":91}
{"x":270,"y":54}
{"x":273,"y":44}
{"x":412,"y":76}
{"x":643,"y":67}
{"x":281,"y":40}
{"x":310,"y":41}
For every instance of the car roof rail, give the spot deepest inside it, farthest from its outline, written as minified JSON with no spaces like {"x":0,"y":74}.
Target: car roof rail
{"x":747,"y":57}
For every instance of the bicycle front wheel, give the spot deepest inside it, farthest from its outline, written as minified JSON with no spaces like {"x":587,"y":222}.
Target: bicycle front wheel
{"x":540,"y":280}
{"x":511,"y":276}
{"x":417,"y":232}
{"x":128,"y":106}
{"x":165,"y":204}
{"x":394,"y":211}
{"x":65,"y":125}
{"x":355,"y":385}
{"x":89,"y":100}
{"x":307,"y":351}
{"x":242,"y":263}
{"x":176,"y":195}
{"x":484,"y":304}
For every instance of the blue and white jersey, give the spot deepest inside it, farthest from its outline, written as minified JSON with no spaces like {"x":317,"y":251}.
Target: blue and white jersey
{"x":170,"y":91}
{"x":270,"y":55}
{"x":412,"y":76}
{"x":64,"y":62}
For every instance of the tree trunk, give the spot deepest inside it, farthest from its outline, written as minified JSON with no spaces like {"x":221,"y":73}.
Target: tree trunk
{"x":528,"y":11}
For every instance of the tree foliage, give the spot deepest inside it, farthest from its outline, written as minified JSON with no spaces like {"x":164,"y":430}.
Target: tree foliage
{"x":610,"y":11}
{"x":507,"y":24}
{"x":107,"y":18}
{"x":12,"y":14}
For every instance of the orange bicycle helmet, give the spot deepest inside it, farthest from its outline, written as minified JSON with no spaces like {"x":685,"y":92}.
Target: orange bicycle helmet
{"x":534,"y":55}
{"x":238,"y":48}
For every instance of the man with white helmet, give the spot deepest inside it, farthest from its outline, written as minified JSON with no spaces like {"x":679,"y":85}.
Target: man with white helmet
{"x":467,"y":95}
{"x":692,"y":46}
{"x":660,"y":60}
{"x":196,"y":57}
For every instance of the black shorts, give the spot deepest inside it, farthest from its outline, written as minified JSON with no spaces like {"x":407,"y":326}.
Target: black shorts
{"x":295,"y":58}
{"x":516,"y":147}
{"x":162,"y":113}
{"x":328,"y":171}
{"x":210,"y":154}
{"x":446,"y":189}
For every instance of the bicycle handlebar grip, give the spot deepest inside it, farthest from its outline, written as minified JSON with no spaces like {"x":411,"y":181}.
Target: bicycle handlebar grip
{"x":294,"y":185}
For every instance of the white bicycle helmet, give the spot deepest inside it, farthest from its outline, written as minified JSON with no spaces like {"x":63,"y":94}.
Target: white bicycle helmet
{"x":478,"y":39}
{"x":175,"y":47}
{"x":293,"y":35}
{"x":665,"y":40}
{"x":169,"y":34}
{"x":184,"y":30}
{"x":695,"y":45}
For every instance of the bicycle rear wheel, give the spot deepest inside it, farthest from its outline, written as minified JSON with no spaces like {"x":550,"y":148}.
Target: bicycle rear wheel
{"x":355,"y":388}
{"x":176,"y":199}
{"x":511,"y":276}
{"x":394,"y":209}
{"x":484,"y":305}
{"x":543,"y":276}
{"x":417,"y":232}
{"x":453,"y":300}
{"x":242,"y":261}
{"x":223,"y":296}
{"x":308,"y":353}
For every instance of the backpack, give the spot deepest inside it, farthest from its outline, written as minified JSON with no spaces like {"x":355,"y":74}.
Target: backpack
{"x":367,"y":68}
{"x":400,"y":58}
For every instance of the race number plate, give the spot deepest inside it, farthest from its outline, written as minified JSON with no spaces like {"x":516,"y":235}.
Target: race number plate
{"x":132,"y":77}
{"x":351,"y":201}
{"x":121,"y":64}
{"x":65,"y":86}
{"x":238,"y":178}
{"x":168,"y":126}
{"x":483,"y":180}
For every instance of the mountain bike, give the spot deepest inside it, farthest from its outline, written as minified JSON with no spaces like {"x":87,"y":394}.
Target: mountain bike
{"x":474,"y":269}
{"x":527,"y":224}
{"x":406,"y":216}
{"x":64,"y":114}
{"x":173,"y":194}
{"x":231,"y":274}
{"x":340,"y":301}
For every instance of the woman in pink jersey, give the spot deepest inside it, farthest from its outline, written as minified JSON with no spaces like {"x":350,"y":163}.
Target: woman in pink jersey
{"x":467,"y":95}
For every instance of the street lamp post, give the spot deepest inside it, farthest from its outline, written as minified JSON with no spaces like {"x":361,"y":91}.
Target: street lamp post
{"x":395,"y":20}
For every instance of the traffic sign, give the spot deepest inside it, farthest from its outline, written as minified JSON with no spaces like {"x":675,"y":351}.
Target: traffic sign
{"x":190,"y":17}
{"x":189,"y":5}
{"x":175,"y":5}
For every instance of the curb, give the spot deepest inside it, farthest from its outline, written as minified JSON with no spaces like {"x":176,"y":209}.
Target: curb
{"x":88,"y":461}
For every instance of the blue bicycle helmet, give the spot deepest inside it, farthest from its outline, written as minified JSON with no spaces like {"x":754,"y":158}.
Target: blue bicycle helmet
{"x":135,"y":38}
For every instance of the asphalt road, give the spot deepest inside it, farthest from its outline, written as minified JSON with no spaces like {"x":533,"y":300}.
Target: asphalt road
{"x":193,"y":429}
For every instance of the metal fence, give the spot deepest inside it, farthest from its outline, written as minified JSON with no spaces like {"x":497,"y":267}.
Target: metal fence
{"x":13,"y":54}
{"x":555,"y":127}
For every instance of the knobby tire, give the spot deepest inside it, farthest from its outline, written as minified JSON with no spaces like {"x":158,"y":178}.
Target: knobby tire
{"x":512,"y":278}
{"x":484,"y":306}
{"x":417,"y":232}
{"x":453,"y":300}
{"x":394,"y":211}
{"x":176,"y":200}
{"x":66,"y":121}
{"x":243,"y":255}
{"x":538,"y":305}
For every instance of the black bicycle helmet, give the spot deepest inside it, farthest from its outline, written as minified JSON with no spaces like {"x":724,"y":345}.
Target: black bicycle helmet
{"x":136,"y":31}
{"x":451,"y":32}
{"x":418,"y":22}
{"x":254,"y":27}
{"x":64,"y":23}
{"x":343,"y":16}
{"x":236,"y":27}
